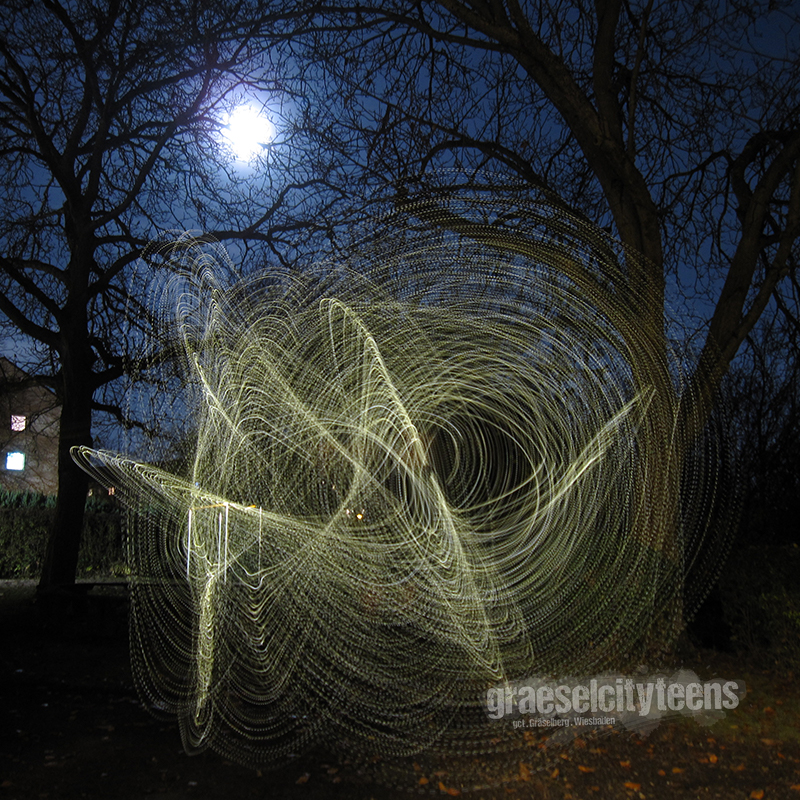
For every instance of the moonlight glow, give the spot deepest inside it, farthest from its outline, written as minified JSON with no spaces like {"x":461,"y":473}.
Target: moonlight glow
{"x":414,"y":474}
{"x":247,"y":131}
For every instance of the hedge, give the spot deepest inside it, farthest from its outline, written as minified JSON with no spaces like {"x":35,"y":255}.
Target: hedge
{"x":760,"y":594}
{"x":25,"y":519}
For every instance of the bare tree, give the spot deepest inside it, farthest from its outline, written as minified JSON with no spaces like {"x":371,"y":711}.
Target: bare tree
{"x":763,"y":390}
{"x":673,"y":126}
{"x":112,"y":122}
{"x":676,"y":126}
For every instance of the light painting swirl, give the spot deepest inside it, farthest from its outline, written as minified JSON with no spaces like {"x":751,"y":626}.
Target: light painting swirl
{"x":416,"y":472}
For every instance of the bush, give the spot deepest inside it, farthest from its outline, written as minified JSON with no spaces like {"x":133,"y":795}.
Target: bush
{"x":25,"y":520}
{"x":761,"y":598}
{"x":14,"y":499}
{"x":102,"y":550}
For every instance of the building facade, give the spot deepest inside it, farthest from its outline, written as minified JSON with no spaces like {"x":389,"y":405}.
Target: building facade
{"x":29,"y":416}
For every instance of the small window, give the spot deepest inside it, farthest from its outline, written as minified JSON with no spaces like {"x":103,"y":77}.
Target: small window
{"x":15,"y":461}
{"x":18,"y":422}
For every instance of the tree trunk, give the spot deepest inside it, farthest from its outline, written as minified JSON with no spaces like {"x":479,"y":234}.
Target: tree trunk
{"x":61,"y":556}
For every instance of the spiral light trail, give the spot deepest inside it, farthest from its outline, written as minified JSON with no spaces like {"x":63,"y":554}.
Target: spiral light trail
{"x":415,"y":473}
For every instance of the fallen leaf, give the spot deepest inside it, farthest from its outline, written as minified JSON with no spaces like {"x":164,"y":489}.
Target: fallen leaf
{"x":423,"y":780}
{"x":712,"y":758}
{"x":524,"y":772}
{"x":662,"y":773}
{"x":633,"y":786}
{"x":303,"y":778}
{"x":626,"y":764}
{"x":451,"y":792}
{"x":770,"y":743}
{"x":678,"y":770}
{"x":585,"y":769}
{"x":756,"y":794}
{"x":738,"y":768}
{"x":795,"y":787}
{"x":554,"y":774}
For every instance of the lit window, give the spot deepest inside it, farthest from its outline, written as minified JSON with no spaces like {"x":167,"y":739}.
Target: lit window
{"x":15,"y":461}
{"x":18,"y":422}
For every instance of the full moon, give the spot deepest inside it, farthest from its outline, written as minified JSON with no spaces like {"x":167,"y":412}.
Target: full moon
{"x":247,"y":131}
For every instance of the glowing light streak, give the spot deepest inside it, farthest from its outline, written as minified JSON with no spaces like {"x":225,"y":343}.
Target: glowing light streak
{"x":410,"y":489}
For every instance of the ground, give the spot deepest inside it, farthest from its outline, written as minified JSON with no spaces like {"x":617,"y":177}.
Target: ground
{"x":73,"y":727}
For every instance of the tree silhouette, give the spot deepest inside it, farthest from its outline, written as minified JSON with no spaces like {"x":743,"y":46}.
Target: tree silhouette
{"x":111,"y":130}
{"x":674,"y":127}
{"x":677,"y":128}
